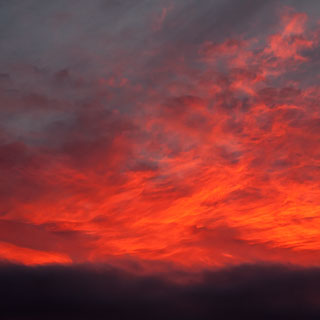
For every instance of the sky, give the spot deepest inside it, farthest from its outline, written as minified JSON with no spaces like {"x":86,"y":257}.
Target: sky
{"x":165,"y":144}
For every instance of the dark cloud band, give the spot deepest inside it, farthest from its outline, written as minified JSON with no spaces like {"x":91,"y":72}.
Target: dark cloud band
{"x":82,"y":292}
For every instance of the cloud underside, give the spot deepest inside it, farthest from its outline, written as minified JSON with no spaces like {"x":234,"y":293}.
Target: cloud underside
{"x":167,"y":131}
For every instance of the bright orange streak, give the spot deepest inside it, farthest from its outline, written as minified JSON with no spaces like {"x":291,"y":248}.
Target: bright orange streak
{"x":27,"y":256}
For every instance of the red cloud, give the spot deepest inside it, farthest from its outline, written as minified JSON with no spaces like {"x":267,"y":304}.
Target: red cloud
{"x":199,"y":160}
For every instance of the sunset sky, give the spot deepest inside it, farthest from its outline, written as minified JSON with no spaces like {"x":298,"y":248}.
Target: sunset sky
{"x":172,"y":137}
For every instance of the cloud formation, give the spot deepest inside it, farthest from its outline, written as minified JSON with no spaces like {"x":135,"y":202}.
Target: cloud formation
{"x":167,"y":131}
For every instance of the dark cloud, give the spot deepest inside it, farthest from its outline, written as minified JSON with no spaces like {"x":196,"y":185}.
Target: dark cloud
{"x":83,"y":292}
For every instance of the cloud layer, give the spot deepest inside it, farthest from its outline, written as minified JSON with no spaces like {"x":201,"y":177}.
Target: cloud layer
{"x":166,"y":131}
{"x":82,"y":292}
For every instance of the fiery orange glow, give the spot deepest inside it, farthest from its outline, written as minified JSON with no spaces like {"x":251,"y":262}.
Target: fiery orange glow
{"x":27,"y":256}
{"x":219,"y":165}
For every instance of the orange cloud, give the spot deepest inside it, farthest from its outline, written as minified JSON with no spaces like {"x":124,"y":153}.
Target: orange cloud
{"x":218,"y":165}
